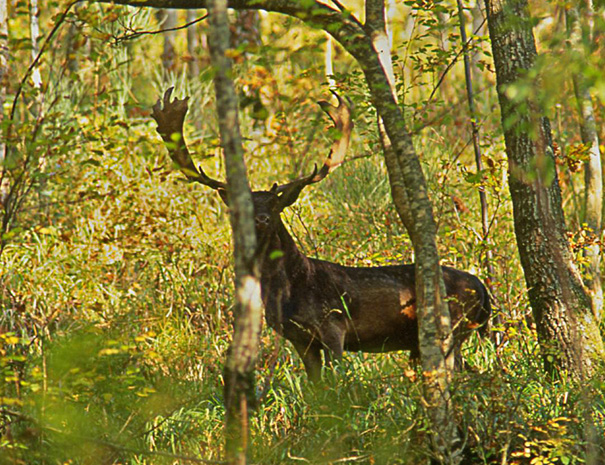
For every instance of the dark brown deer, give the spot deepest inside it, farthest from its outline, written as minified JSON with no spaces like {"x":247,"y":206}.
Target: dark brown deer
{"x":322,"y":306}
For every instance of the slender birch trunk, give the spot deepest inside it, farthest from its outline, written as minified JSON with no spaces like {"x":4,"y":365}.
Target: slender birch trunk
{"x":34,"y":30}
{"x":476,"y":144}
{"x":238,"y":373}
{"x":593,"y":201}
{"x":4,"y":72}
{"x":329,"y":63}
{"x":4,"y":65}
{"x":593,"y":178}
{"x":167,"y":19}
{"x":478,"y":27}
{"x":193,"y":45}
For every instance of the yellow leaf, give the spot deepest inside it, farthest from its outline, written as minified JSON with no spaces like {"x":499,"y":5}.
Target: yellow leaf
{"x":108,"y":352}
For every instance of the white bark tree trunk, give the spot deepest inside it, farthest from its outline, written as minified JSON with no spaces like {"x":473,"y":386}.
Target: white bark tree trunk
{"x":593,"y":178}
{"x":329,"y":62}
{"x":4,"y":71}
{"x":34,"y":30}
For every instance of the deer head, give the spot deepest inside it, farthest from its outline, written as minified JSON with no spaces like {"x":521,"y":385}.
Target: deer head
{"x":170,"y":115}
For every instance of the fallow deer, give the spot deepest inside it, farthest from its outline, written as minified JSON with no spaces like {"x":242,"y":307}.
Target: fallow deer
{"x":318,"y":305}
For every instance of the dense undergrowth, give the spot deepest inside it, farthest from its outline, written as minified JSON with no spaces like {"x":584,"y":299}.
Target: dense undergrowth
{"x":115,"y":288}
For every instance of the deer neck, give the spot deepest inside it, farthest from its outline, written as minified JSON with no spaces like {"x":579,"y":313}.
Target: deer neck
{"x":282,"y":258}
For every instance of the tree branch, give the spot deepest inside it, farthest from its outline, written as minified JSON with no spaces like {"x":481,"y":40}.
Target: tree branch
{"x":316,"y":15}
{"x":135,"y":34}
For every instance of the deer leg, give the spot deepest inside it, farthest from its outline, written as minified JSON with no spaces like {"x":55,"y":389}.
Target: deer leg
{"x":311,"y":357}
{"x":333,"y":344}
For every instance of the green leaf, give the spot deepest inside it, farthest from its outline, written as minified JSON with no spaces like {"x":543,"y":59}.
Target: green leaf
{"x":275,"y":254}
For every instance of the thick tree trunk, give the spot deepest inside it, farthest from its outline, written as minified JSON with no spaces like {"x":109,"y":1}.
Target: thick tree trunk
{"x":431,"y":335}
{"x":593,"y":200}
{"x":243,"y":352}
{"x":567,"y":332}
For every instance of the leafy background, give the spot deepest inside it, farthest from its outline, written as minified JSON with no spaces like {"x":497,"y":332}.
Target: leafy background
{"x":115,"y":274}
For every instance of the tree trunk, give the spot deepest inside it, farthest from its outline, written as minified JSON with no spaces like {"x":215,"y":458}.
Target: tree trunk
{"x":478,"y":29}
{"x":434,"y":361}
{"x":593,"y":202}
{"x":593,"y":199}
{"x":468,"y":73}
{"x":245,"y":30}
{"x":4,"y":73}
{"x":567,"y":332}
{"x":167,"y":20}
{"x":241,"y":359}
{"x":329,"y":62}
{"x":34,"y":30}
{"x":193,"y":45}
{"x":74,"y":33}
{"x":433,"y":312}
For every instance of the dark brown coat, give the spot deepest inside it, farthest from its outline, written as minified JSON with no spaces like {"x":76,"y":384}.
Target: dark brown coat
{"x":323,"y":306}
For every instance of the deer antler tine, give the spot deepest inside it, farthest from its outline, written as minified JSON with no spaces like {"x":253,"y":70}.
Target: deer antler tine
{"x":170,"y":117}
{"x":167,"y":95}
{"x":340,"y":114}
{"x":338,"y":97}
{"x":297,"y":183}
{"x":341,"y":117}
{"x":345,"y":102}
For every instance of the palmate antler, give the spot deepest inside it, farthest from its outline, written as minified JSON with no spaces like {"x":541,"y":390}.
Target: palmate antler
{"x":170,"y":116}
{"x":170,"y":120}
{"x":341,"y":117}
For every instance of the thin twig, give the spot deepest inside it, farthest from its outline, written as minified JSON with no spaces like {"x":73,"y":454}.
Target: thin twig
{"x":452,"y":63}
{"x":135,"y":34}
{"x":11,"y":207}
{"x":33,"y":64}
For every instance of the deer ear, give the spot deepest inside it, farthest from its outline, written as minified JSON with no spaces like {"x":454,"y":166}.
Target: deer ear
{"x":223,"y":193}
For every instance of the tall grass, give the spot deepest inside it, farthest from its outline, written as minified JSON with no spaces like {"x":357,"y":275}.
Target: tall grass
{"x":116,"y":292}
